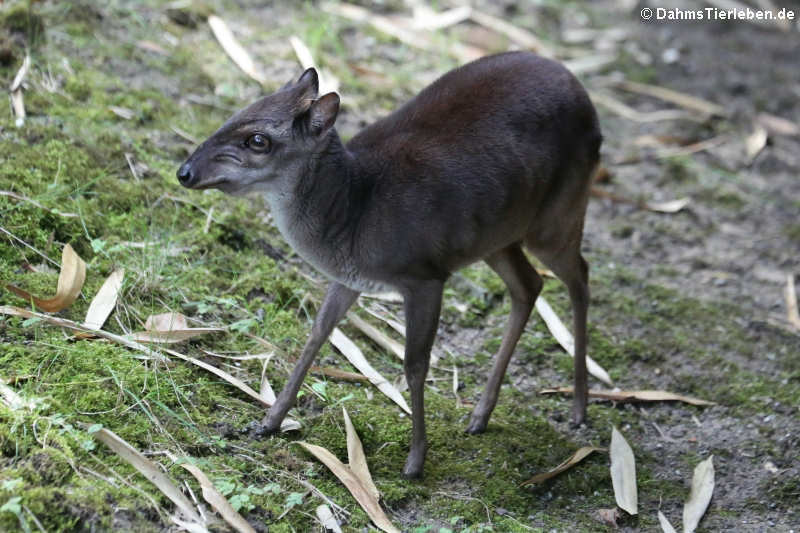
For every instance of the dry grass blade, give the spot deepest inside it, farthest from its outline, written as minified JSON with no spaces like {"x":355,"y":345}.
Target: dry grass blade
{"x":37,"y":204}
{"x":104,"y":301}
{"x":21,"y":73}
{"x":405,"y":35}
{"x":666,"y":527}
{"x":64,"y":323}
{"x":426,"y":18}
{"x":234,"y":50}
{"x":700,"y":495}
{"x":219,"y":502}
{"x":589,"y":63}
{"x":357,"y":359}
{"x":18,"y":105}
{"x":353,"y":484}
{"x":169,"y":328}
{"x":629,"y":113}
{"x":356,"y":458}
{"x":339,"y":374}
{"x":565,"y":339}
{"x":148,"y":470}
{"x":266,"y":391}
{"x":571,"y":461}
{"x":519,"y":36}
{"x":380,"y":338}
{"x":623,"y":473}
{"x":668,"y":95}
{"x":287,"y":425}
{"x":670,"y":206}
{"x":778,"y":125}
{"x":327,"y":81}
{"x":755,"y":142}
{"x":326,"y":518}
{"x":792,"y":313}
{"x":634,"y":395}
{"x":70,"y":282}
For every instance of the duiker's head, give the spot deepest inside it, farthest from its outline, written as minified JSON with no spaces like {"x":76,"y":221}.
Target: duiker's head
{"x":267,"y":144}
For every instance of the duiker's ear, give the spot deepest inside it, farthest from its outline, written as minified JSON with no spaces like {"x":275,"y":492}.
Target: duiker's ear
{"x":322,"y":114}
{"x":305,"y":90}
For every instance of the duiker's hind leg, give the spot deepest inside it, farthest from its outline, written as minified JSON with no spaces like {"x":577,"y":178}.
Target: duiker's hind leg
{"x":524,"y":285}
{"x":572,"y":269}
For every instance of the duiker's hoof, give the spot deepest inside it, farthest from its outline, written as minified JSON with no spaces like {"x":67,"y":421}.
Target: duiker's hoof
{"x":476,"y":426}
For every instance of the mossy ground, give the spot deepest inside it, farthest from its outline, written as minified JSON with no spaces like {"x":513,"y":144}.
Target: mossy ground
{"x":218,"y":260}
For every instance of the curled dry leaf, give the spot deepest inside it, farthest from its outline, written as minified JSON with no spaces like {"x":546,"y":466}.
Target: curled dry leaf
{"x":609,"y":517}
{"x":326,"y":518}
{"x":219,"y":502}
{"x":623,"y":473}
{"x":356,"y":458}
{"x":148,"y":470}
{"x":666,"y":527}
{"x":565,"y":339}
{"x":169,"y":328}
{"x":104,"y":301}
{"x":70,"y":282}
{"x":355,"y":476}
{"x":346,"y":476}
{"x":633,"y":395}
{"x":571,"y":461}
{"x":357,"y":359}
{"x":700,"y":495}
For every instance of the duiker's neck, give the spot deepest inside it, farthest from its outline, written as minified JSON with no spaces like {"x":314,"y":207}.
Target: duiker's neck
{"x":320,"y":214}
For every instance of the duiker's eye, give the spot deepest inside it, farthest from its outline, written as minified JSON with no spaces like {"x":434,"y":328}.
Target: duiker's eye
{"x":258,"y":143}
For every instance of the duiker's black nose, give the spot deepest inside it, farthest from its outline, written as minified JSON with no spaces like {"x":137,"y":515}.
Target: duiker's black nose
{"x":185,"y":174}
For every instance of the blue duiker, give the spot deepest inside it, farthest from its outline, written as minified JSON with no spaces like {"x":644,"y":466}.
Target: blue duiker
{"x":493,"y":156}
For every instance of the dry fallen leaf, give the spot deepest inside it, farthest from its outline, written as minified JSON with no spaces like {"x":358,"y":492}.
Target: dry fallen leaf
{"x":380,"y":338}
{"x":668,"y":95}
{"x":633,"y":395}
{"x":792,"y":312}
{"x":565,"y":339}
{"x":64,"y":323}
{"x":326,"y":518}
{"x":148,"y":470}
{"x":609,"y":517}
{"x":666,"y":527}
{"x":571,"y":461}
{"x":169,"y":328}
{"x":219,"y":502}
{"x":70,"y":282}
{"x":104,"y":301}
{"x":755,"y":142}
{"x":670,"y":206}
{"x":234,"y":50}
{"x":327,"y":81}
{"x":700,"y":495}
{"x":357,"y":359}
{"x":356,"y":458}
{"x":623,"y":473}
{"x":362,"y":496}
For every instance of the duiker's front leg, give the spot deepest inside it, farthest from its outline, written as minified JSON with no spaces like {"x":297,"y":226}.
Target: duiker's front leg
{"x":423,"y":304}
{"x":337,"y":301}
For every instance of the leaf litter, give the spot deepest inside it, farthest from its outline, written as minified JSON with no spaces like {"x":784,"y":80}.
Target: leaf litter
{"x":355,"y":475}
